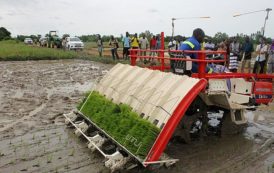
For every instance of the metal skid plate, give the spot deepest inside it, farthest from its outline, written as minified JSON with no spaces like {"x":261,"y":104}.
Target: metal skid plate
{"x":115,"y":161}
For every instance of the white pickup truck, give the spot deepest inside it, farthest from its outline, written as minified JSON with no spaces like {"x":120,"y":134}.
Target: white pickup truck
{"x":74,"y":43}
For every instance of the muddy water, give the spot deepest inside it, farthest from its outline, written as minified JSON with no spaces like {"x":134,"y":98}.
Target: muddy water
{"x":33,"y":96}
{"x":33,"y":137}
{"x":250,"y":151}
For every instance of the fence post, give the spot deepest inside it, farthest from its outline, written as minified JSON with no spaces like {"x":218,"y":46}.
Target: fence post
{"x":162,"y":52}
{"x":132,"y":57}
{"x":201,"y":65}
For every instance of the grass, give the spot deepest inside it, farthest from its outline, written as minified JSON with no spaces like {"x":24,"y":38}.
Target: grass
{"x":123,"y":124}
{"x":12,"y":50}
{"x":90,"y":45}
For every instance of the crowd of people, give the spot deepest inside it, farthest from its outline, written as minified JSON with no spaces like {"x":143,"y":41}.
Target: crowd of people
{"x":128,"y":43}
{"x":236,"y":51}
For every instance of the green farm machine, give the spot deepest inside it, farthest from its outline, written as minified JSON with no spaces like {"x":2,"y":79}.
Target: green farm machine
{"x":53,"y":40}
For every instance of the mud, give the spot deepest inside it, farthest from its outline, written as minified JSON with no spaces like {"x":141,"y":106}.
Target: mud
{"x":33,"y":96}
{"x":33,"y":137}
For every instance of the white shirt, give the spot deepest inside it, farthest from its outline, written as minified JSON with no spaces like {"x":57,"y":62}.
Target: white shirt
{"x":210,"y":46}
{"x":143,"y":42}
{"x":172,"y":45}
{"x":261,"y":48}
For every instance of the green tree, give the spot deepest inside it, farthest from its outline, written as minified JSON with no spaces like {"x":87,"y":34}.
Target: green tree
{"x":147,"y":34}
{"x":65,"y":36}
{"x":219,"y":37}
{"x":4,"y":34}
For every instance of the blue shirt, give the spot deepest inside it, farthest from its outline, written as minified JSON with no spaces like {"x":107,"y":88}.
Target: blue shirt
{"x":248,"y":47}
{"x":197,"y":46}
{"x":126,"y":41}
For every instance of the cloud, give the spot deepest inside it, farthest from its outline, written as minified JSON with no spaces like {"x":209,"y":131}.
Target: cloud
{"x":15,"y":13}
{"x":1,"y":18}
{"x":55,"y":18}
{"x":153,"y":10}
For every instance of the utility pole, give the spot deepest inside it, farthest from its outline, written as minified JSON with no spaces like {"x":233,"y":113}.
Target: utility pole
{"x":266,"y":18}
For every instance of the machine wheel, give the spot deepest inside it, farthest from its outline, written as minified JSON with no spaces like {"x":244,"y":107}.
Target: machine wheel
{"x":193,"y":124}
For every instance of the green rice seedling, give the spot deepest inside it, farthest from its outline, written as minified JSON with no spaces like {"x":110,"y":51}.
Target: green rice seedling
{"x":72,"y":152}
{"x":123,"y":124}
{"x":49,"y":158}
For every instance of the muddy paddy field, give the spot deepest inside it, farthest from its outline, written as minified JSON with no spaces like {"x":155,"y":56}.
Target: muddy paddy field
{"x":33,"y":137}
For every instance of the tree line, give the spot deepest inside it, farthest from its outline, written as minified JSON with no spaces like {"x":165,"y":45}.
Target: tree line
{"x":217,"y":38}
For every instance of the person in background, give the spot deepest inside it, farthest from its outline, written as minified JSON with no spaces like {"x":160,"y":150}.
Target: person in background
{"x":247,"y":52}
{"x":270,"y":63}
{"x":261,"y":51}
{"x":135,"y":42}
{"x":100,"y":45}
{"x":143,"y":45}
{"x":114,"y":46}
{"x":126,"y":45}
{"x":235,"y":47}
{"x":152,"y":45}
{"x":234,"y":55}
{"x":172,"y":45}
{"x":227,"y":45}
{"x":209,"y":45}
{"x":222,"y":47}
{"x":158,"y":43}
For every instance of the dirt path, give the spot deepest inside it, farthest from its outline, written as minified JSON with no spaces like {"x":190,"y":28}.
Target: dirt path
{"x":33,"y":137}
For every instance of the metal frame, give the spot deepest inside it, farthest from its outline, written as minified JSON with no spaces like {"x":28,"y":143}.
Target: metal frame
{"x":166,"y":133}
{"x":168,"y":130}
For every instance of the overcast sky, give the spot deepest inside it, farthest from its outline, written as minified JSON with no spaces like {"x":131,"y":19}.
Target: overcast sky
{"x":78,"y":17}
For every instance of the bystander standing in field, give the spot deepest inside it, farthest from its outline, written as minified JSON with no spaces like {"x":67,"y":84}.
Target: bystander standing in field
{"x":234,"y":55}
{"x":209,"y":45}
{"x":143,"y":45}
{"x":135,"y":41}
{"x":114,"y":46}
{"x":126,"y":44}
{"x":100,"y":46}
{"x":270,"y":63}
{"x":152,"y":45}
{"x":158,"y":43}
{"x":261,"y":51}
{"x":222,"y":47}
{"x":247,"y":52}
{"x":235,"y":47}
{"x":227,"y":45}
{"x":172,"y":45}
